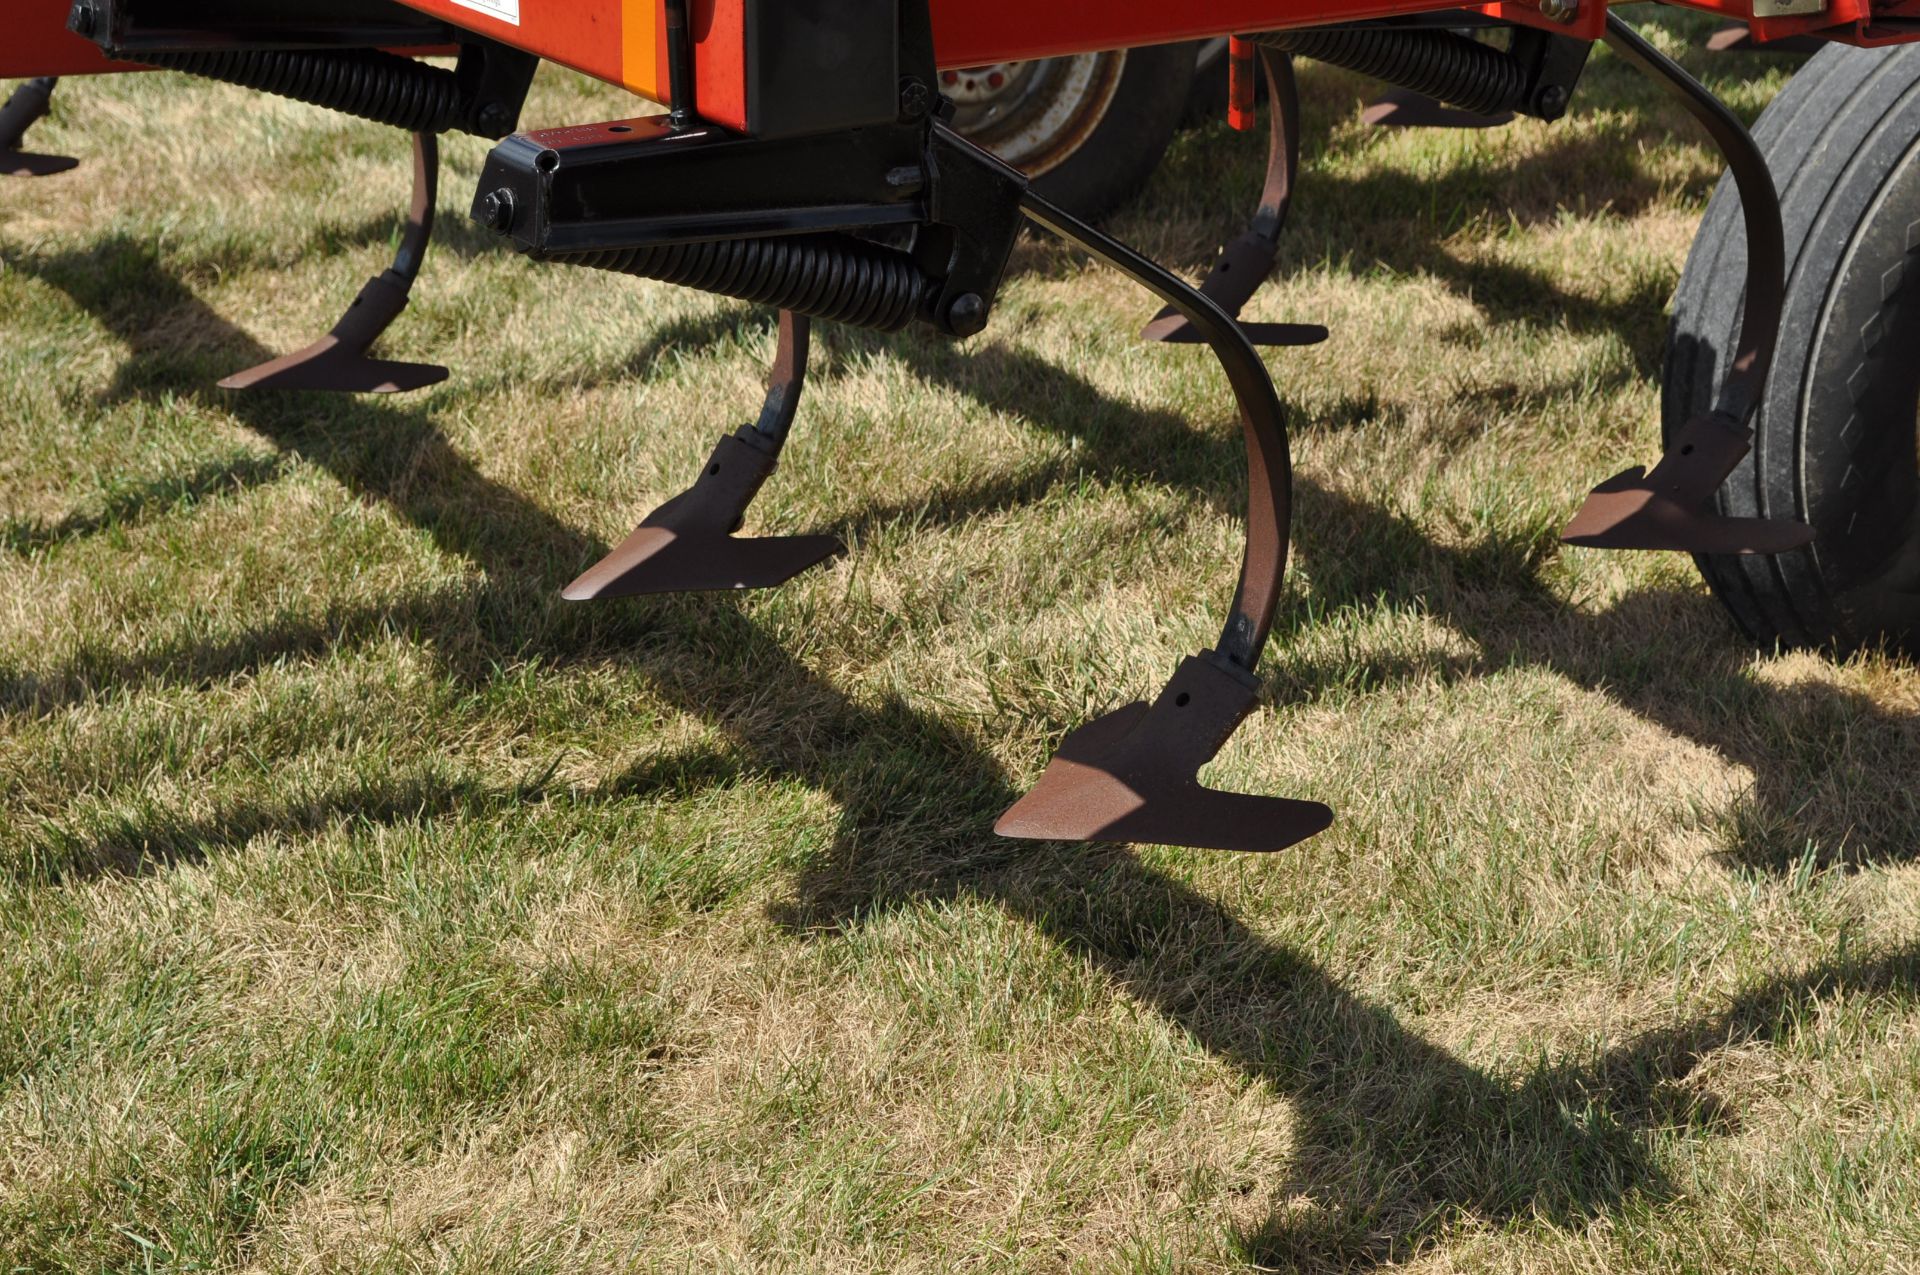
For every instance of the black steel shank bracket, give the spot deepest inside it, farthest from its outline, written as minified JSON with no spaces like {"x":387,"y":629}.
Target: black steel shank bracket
{"x":602,"y":194}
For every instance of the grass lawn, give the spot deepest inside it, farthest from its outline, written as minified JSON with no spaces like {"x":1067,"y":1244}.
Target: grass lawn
{"x":364,"y":906}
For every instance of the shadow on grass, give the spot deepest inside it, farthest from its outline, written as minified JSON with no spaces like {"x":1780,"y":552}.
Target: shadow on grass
{"x":152,"y":837}
{"x":1829,"y":765}
{"x":1401,"y":1141}
{"x":149,"y":839}
{"x":1791,"y":738}
{"x":128,"y":504}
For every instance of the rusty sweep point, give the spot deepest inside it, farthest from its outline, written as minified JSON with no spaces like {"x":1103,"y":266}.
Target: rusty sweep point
{"x":338,"y":362}
{"x":1737,"y":37}
{"x":1133,"y":776}
{"x":687,"y":545}
{"x":1669,"y":508}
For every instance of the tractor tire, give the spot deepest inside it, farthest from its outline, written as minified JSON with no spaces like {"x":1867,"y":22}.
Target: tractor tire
{"x":1088,"y":129}
{"x":1835,"y":435}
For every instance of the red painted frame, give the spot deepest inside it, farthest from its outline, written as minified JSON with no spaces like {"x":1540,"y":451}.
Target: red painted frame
{"x":37,"y":42}
{"x":622,"y":42}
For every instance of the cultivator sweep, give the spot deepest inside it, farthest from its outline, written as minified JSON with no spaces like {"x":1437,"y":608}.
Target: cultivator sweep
{"x":688,"y":544}
{"x":348,"y":57}
{"x":806,"y":162}
{"x":1245,"y":263}
{"x":30,"y":103}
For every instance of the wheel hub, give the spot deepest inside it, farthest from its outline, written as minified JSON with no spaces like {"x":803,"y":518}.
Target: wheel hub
{"x":1034,"y":114}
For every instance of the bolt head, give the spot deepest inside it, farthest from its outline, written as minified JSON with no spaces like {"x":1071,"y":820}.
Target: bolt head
{"x":915,"y":98}
{"x":1562,"y":11}
{"x":496,"y":210}
{"x":967,"y":315}
{"x":494,"y":119}
{"x":84,"y":20}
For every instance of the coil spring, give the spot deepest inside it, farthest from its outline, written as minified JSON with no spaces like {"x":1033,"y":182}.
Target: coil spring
{"x":831,"y":277}
{"x":377,"y":86}
{"x":1456,"y":69}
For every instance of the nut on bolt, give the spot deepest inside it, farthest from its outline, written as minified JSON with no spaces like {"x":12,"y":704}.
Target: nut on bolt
{"x":495,"y":210}
{"x":1562,"y":11}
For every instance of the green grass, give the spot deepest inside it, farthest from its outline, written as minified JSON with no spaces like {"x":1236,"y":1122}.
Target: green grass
{"x":366,"y":907}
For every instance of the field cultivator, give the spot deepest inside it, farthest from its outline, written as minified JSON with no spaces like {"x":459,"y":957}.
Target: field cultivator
{"x":808,"y":161}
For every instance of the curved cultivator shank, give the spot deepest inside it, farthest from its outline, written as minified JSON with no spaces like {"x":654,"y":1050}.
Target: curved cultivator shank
{"x":1131,"y":776}
{"x":356,"y":68}
{"x":30,"y":103}
{"x":339,"y":362}
{"x":1670,"y":507}
{"x":688,"y":544}
{"x":1245,"y":263}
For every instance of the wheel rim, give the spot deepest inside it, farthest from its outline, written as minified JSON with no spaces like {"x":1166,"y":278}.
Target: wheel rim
{"x":1034,"y":114}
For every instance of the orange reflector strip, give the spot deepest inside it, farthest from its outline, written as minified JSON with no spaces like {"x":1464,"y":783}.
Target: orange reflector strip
{"x":640,"y":22}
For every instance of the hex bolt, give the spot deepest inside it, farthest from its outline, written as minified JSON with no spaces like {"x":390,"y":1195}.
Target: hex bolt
{"x":496,"y":210}
{"x":915,"y":98}
{"x":1561,"y":11}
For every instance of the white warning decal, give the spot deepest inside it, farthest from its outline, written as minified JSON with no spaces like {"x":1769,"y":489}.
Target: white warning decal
{"x":505,"y":10}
